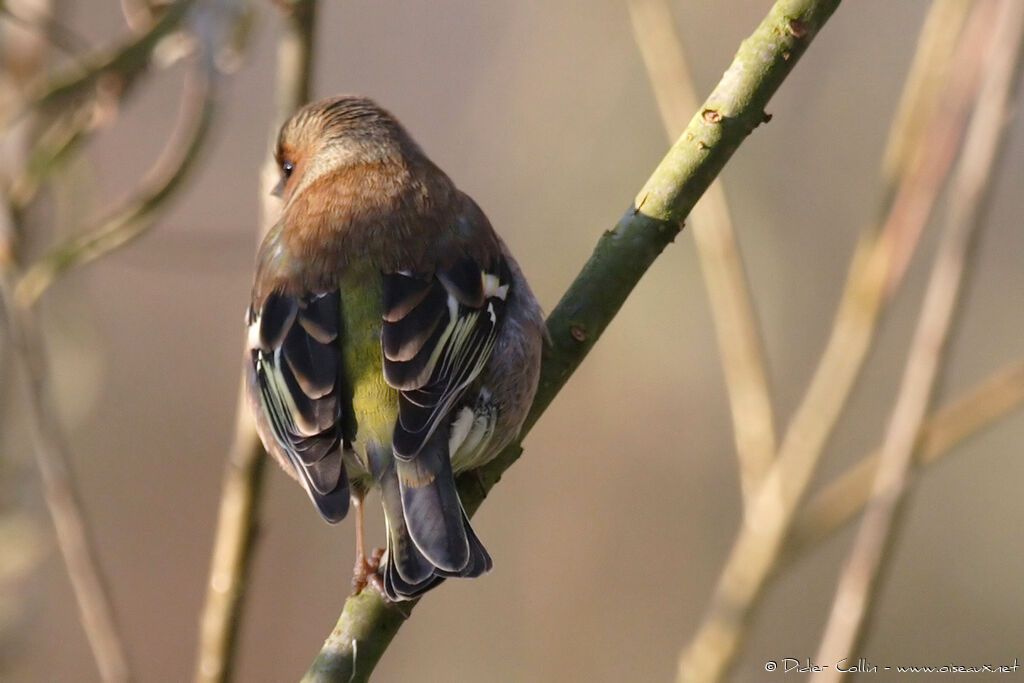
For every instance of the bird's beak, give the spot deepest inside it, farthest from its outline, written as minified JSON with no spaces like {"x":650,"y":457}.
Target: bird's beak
{"x":278,"y":190}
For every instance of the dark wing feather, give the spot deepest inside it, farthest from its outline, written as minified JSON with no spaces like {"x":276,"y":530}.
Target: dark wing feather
{"x":296,"y":356}
{"x":437,"y":335}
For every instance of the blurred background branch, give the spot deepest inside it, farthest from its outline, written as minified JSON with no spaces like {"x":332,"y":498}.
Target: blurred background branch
{"x":73,"y":102}
{"x":24,"y":351}
{"x":846,"y":495}
{"x":181,"y":155}
{"x":969,"y":193}
{"x":234,"y":543}
{"x":913,"y":178}
{"x":62,"y":498}
{"x":114,"y":67}
{"x":732,"y":308}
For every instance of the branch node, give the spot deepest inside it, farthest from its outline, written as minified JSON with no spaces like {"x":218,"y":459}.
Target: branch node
{"x":711,"y":116}
{"x":797,"y":28}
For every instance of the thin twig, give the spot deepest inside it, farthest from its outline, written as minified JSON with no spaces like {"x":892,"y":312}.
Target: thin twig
{"x":23,"y":349}
{"x":51,"y":147}
{"x":138,"y":14}
{"x":756,"y":549}
{"x":234,"y":543}
{"x":622,"y":255}
{"x":89,"y":80}
{"x":736,"y":326}
{"x":178,"y":158}
{"x":122,"y":62}
{"x":926,"y":80}
{"x":84,"y":97}
{"x":49,"y":27}
{"x":912,"y":208}
{"x":944,"y":430}
{"x":970,"y":192}
{"x":232,"y":554}
{"x":62,"y":498}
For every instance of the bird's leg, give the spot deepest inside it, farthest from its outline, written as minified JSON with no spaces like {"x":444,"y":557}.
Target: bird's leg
{"x":365,"y":570}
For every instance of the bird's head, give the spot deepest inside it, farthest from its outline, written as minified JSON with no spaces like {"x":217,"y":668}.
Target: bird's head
{"x":333,"y":134}
{"x":355,"y":184}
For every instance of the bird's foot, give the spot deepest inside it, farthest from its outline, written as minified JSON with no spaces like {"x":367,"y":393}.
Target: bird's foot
{"x":365,"y":572}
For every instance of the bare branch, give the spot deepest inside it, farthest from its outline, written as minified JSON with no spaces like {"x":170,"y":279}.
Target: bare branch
{"x":24,"y":351}
{"x":240,"y":496}
{"x":907,"y":204}
{"x":926,"y":80}
{"x":122,"y":63}
{"x":968,"y":202}
{"x":944,"y":430}
{"x":178,"y":158}
{"x":51,"y":147}
{"x":48,"y":27}
{"x":232,"y":553}
{"x":138,"y":14}
{"x":62,"y":498}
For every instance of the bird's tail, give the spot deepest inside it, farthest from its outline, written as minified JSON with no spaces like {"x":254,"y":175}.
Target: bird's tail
{"x":429,"y":535}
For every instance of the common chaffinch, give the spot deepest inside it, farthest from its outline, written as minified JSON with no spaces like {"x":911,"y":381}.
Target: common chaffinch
{"x":393,"y":340}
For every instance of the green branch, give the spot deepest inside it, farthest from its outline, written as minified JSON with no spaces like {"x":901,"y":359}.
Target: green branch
{"x":735,"y":108}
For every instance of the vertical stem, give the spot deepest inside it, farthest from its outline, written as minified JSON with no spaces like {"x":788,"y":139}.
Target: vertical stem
{"x":234,"y":543}
{"x":233,"y":550}
{"x":62,"y":498}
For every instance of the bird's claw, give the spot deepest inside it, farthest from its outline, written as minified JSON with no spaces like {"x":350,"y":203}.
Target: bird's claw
{"x":365,"y":572}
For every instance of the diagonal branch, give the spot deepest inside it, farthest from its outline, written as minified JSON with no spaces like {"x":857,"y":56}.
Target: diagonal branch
{"x":83,"y":97}
{"x":735,"y":108}
{"x":739,"y":339}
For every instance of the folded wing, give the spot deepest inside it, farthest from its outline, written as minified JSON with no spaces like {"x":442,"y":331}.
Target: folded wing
{"x":296,"y":357}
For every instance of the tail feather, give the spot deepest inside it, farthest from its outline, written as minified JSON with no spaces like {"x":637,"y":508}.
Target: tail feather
{"x":479,"y":559}
{"x":430,"y":504}
{"x":398,"y":588}
{"x":429,"y":535}
{"x":405,"y":561}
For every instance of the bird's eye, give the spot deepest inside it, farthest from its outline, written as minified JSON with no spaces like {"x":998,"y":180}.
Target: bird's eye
{"x":287,"y":167}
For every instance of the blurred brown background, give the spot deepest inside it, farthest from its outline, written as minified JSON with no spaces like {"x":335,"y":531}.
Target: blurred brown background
{"x":607,"y":536}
